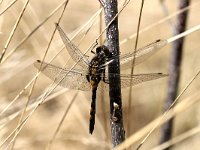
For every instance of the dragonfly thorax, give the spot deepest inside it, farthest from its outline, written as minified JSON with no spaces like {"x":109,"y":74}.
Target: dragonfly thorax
{"x":96,"y":66}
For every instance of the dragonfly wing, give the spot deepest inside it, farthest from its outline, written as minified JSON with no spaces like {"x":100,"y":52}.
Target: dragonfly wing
{"x":136,"y":79}
{"x":69,"y":78}
{"x":72,"y":49}
{"x":139,"y":78}
{"x":141,"y":54}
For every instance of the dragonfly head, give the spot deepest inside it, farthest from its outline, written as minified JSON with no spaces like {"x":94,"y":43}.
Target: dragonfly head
{"x":98,"y":49}
{"x":103,"y":49}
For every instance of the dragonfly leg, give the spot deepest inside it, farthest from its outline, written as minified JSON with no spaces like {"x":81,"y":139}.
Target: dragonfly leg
{"x":116,"y":115}
{"x":93,"y":110}
{"x":104,"y":79}
{"x":88,"y":78}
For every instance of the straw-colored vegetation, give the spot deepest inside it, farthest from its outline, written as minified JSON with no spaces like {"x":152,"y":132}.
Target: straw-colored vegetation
{"x":17,"y":70}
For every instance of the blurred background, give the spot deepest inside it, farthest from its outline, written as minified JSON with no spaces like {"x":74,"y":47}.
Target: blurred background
{"x":29,"y":44}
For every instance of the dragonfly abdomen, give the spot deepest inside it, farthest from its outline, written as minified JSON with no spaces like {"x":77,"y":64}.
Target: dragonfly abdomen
{"x":92,"y":111}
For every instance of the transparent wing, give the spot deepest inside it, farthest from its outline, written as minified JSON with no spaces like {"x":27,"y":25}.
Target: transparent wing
{"x":141,"y":54}
{"x":139,"y":78}
{"x":136,"y":79}
{"x":73,"y":79}
{"x":73,"y":51}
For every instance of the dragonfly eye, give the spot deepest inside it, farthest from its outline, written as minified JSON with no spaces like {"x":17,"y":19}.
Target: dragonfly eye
{"x":106,"y":51}
{"x":110,"y":54}
{"x":98,"y":49}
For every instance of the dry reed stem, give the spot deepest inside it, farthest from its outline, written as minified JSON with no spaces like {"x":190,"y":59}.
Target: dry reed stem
{"x":12,"y":3}
{"x":61,"y":122}
{"x":5,"y":120}
{"x":79,"y":30}
{"x":158,"y":121}
{"x":34,"y":82}
{"x":166,"y":13}
{"x":159,"y":22}
{"x":132,"y":68}
{"x":38,"y":74}
{"x":102,"y":3}
{"x":167,"y":111}
{"x":179,"y":138}
{"x":46,"y":19}
{"x":84,"y":140}
{"x":46,"y":94}
{"x":33,"y":31}
{"x":180,"y":107}
{"x":13,"y":31}
{"x":91,"y":47}
{"x":183,"y":34}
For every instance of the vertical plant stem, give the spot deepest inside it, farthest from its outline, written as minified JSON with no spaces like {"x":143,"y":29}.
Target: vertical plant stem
{"x":129,"y":112}
{"x":174,"y":69}
{"x":112,"y":33}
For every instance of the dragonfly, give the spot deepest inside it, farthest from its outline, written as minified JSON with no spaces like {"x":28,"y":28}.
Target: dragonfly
{"x":93,"y":71}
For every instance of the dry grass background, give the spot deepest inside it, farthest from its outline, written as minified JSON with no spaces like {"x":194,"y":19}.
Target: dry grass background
{"x":148,"y":97}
